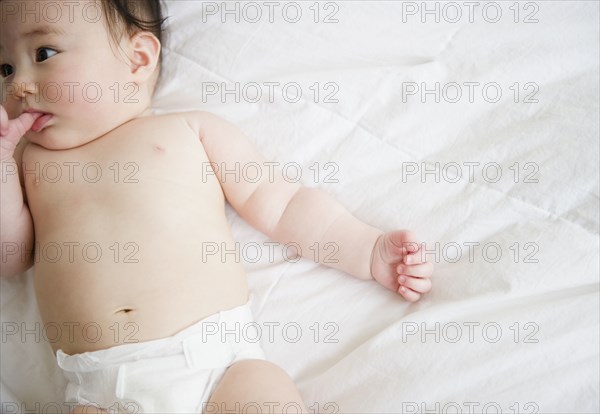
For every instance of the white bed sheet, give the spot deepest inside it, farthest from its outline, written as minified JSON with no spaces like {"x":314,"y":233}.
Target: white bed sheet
{"x":359,"y":347}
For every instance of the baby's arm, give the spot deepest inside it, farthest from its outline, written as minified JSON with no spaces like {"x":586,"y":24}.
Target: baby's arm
{"x":291,"y":213}
{"x":16,"y":234}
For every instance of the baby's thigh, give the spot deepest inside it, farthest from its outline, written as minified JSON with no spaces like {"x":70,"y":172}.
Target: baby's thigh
{"x":255,"y":385}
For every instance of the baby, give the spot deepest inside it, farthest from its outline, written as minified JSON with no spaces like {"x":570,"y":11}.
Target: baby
{"x":114,"y":206}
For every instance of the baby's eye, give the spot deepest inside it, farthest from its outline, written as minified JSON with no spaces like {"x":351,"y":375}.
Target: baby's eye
{"x":6,"y":70}
{"x":44,"y":53}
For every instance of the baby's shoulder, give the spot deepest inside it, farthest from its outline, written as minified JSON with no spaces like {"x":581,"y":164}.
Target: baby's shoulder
{"x":199,"y":121}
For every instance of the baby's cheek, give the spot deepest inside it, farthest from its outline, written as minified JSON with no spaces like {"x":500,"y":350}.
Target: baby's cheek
{"x":65,"y":86}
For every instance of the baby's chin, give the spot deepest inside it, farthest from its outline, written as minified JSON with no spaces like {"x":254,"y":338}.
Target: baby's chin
{"x":55,"y":139}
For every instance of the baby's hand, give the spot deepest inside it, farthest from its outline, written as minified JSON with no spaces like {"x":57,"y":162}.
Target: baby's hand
{"x":397,"y":265}
{"x":11,"y":131}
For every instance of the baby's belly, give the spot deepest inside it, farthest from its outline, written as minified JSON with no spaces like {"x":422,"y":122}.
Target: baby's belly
{"x":104,"y":293}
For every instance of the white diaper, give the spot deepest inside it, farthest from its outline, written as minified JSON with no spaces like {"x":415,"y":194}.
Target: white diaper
{"x":169,"y":375}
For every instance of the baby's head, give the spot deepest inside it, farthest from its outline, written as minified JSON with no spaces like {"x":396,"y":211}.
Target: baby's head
{"x":91,"y":64}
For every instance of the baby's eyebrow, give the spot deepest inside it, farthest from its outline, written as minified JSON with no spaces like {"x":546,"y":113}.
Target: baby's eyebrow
{"x":40,"y":31}
{"x":44,"y":31}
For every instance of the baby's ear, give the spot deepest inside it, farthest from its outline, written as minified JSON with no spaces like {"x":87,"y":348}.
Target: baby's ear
{"x":145,"y":52}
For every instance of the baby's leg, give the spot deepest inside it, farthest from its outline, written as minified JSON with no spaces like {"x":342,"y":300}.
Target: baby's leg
{"x":254,"y":385}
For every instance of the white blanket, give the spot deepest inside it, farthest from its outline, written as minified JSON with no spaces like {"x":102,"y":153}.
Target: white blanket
{"x":480,"y":132}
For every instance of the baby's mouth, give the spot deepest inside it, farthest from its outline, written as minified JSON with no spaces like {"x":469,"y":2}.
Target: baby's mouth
{"x":41,"y":122}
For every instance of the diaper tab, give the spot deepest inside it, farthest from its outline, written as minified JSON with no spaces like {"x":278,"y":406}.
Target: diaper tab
{"x":246,"y":344}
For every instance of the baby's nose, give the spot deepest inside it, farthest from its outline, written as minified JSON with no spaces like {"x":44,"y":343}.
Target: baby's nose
{"x":21,"y":84}
{"x":21,"y":88}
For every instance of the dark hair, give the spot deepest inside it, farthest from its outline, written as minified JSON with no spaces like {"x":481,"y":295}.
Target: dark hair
{"x":133,"y":15}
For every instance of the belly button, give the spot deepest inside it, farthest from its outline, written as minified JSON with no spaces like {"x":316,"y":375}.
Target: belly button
{"x":125,"y":310}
